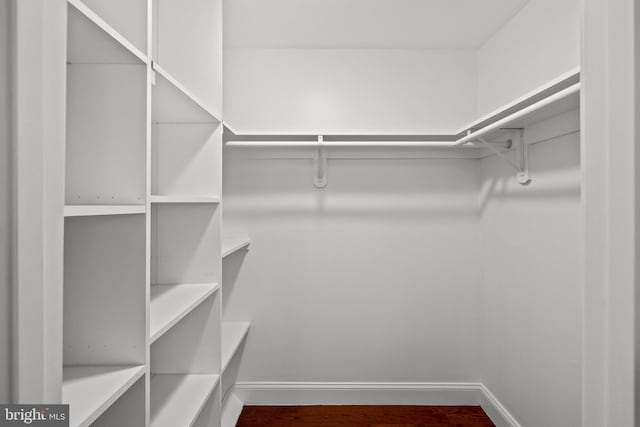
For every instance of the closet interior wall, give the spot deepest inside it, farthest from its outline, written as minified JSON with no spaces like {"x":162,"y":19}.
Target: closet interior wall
{"x":532,"y":237}
{"x":5,"y":203}
{"x":531,"y":269}
{"x":336,"y":285}
{"x":521,"y":57}
{"x":409,"y":266}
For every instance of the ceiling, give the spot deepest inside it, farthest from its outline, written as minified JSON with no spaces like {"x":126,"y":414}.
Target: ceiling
{"x":365,"y":24}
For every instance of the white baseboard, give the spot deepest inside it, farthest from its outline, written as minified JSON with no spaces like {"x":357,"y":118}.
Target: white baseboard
{"x":334,"y":393}
{"x":495,"y":410}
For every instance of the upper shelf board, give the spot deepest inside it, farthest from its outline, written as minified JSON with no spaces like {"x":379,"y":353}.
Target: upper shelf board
{"x":544,"y":91}
{"x":568,"y":99}
{"x":92,"y":40}
{"x":233,"y":244}
{"x":174,"y":103}
{"x":90,"y":390}
{"x":233,"y":333}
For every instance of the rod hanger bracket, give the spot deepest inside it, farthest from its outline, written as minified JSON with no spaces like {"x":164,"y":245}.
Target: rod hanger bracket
{"x":320,"y":165}
{"x":521,"y":164}
{"x":524,"y":177}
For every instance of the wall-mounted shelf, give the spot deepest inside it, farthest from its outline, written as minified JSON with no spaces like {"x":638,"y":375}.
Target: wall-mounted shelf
{"x":233,"y":333}
{"x":184,"y":199}
{"x":559,"y":95}
{"x":233,"y":244}
{"x":177,"y":400}
{"x":90,"y":390}
{"x":100,"y":210}
{"x":93,"y":40}
{"x":555,"y":104}
{"x":171,"y":303}
{"x":544,"y":91}
{"x":486,"y":134}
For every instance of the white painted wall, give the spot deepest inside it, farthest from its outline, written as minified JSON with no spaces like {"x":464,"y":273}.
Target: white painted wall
{"x":373,"y":279}
{"x":540,"y":43}
{"x":5,"y":211}
{"x":348,"y":90}
{"x":396,"y":271}
{"x":531,"y":301}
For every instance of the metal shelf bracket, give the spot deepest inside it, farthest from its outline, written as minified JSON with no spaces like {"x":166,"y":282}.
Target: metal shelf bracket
{"x":521,"y":166}
{"x":320,"y":165}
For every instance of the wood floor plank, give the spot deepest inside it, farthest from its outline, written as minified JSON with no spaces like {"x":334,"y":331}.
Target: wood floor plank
{"x":363,"y":416}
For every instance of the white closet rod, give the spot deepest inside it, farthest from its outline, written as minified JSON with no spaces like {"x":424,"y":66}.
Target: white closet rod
{"x":471,"y":137}
{"x":434,"y":144}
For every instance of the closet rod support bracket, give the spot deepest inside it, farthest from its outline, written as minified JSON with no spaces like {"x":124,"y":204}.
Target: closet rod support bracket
{"x":521,"y":165}
{"x":523,"y":176}
{"x":320,"y":165}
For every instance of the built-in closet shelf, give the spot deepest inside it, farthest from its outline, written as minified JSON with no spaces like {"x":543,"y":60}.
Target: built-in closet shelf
{"x":555,"y":97}
{"x":233,"y":333}
{"x":92,"y":45}
{"x":100,"y":210}
{"x":563,"y":101}
{"x":171,"y":303}
{"x":90,"y":390}
{"x":185,"y":199}
{"x":177,"y":400}
{"x":174,"y":103}
{"x":233,"y":244}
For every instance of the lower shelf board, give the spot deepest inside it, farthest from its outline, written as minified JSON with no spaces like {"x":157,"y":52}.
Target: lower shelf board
{"x":232,"y":335}
{"x":233,"y":244}
{"x":90,"y":390}
{"x":177,"y":400}
{"x":102,"y":210}
{"x":171,"y":303}
{"x":184,"y":199}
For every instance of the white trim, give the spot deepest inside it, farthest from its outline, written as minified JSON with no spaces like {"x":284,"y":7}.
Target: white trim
{"x":610,"y":193}
{"x":368,"y":393}
{"x":496,"y":410}
{"x":38,"y":137}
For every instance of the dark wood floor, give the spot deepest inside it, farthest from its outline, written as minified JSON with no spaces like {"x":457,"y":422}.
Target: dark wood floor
{"x":363,"y":416}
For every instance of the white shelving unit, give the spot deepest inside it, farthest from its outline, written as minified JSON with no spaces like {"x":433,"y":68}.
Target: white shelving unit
{"x":233,"y":333}
{"x":101,"y":210}
{"x":170,"y":303}
{"x":104,"y":236}
{"x":142,"y":307}
{"x":178,"y":400}
{"x":100,"y":37}
{"x":185,"y":199}
{"x":90,"y":390}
